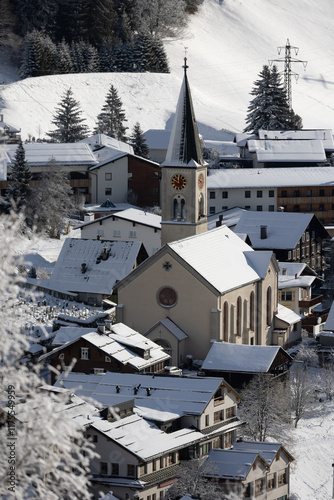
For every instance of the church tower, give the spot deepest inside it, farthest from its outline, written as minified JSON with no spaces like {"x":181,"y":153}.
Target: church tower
{"x":183,"y":175}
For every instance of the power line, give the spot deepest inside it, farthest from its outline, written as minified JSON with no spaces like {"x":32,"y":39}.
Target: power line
{"x":287,"y":68}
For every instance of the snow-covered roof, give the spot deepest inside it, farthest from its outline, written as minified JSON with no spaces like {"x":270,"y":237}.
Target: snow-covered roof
{"x":130,"y":214}
{"x":99,"y":276}
{"x":229,"y":266}
{"x":234,"y":178}
{"x":287,"y":315}
{"x":224,"y":148}
{"x":100,"y":141}
{"x":267,"y":450}
{"x":171,"y":327}
{"x":69,"y":334}
{"x":227,"y":217}
{"x":144,"y":439}
{"x":176,"y":395}
{"x":240,"y":358}
{"x":62,"y":153}
{"x":324,"y":135}
{"x":283,"y":229}
{"x":292,"y":282}
{"x":287,"y":150}
{"x":113,"y":207}
{"x":7,"y":127}
{"x":122,"y":344}
{"x":230,"y":464}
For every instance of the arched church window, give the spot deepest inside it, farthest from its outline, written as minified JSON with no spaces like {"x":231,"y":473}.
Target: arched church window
{"x":269,"y":306}
{"x":225,"y":322}
{"x":200,"y":206}
{"x":239,"y":308}
{"x":175,"y":209}
{"x":251,"y":311}
{"x":183,"y":209}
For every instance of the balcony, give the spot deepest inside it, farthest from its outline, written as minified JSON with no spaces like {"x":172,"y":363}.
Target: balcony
{"x":308,"y":303}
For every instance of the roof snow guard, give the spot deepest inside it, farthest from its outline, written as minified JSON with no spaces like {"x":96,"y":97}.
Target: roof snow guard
{"x":184,"y":146}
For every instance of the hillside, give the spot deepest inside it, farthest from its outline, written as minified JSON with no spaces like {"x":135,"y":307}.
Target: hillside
{"x":228,"y":42}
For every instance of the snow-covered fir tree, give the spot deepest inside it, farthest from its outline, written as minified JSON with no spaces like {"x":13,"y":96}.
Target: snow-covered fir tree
{"x":39,"y":55}
{"x":269,"y":109}
{"x":20,"y":177}
{"x":64,"y":58}
{"x":138,"y":142}
{"x":112,"y":117}
{"x":68,"y":121}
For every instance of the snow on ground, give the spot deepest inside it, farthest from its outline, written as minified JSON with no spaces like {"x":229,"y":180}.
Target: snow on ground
{"x":227,"y":42}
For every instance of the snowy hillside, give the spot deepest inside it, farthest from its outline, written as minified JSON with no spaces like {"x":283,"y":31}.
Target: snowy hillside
{"x":227,"y":42}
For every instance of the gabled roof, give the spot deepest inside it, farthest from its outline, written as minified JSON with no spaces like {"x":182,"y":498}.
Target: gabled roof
{"x":177,"y":332}
{"x":177,"y":395}
{"x":132,"y":215}
{"x":232,"y":464}
{"x":232,"y":178}
{"x":144,"y":439}
{"x":287,"y":150}
{"x":287,"y":315}
{"x":62,"y":153}
{"x":268,"y":451}
{"x":98,"y":142}
{"x":69,"y":334}
{"x":329,"y":325}
{"x":123,"y":344}
{"x":324,"y":135}
{"x":284,"y":229}
{"x":81,"y":266}
{"x":184,"y":147}
{"x":241,"y":358}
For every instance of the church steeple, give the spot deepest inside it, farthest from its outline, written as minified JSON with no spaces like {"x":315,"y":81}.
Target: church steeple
{"x":184,"y":145}
{"x":183,"y":175}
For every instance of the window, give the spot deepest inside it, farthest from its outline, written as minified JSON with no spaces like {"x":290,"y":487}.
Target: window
{"x":107,"y":191}
{"x":84,"y":353}
{"x":107,"y":359}
{"x":281,"y":477}
{"x":205,"y":448}
{"x":251,"y":311}
{"x":225,"y":321}
{"x":212,"y":210}
{"x":131,"y":470}
{"x":247,"y":194}
{"x":297,"y":193}
{"x":133,"y":234}
{"x":207,"y":420}
{"x":284,"y":193}
{"x":224,"y":207}
{"x":218,"y":416}
{"x":271,"y":193}
{"x":61,"y":356}
{"x":247,"y":207}
{"x":321,"y":192}
{"x":108,"y":176}
{"x":154,"y":465}
{"x":269,"y":306}
{"x":239,"y":312}
{"x":103,"y":468}
{"x":98,"y":371}
{"x":286,"y":296}
{"x":309,"y":207}
{"x":114,"y":469}
{"x":321,"y":207}
{"x":156,"y":175}
{"x":117,"y":233}
{"x":212,"y":195}
{"x":309,"y":192}
{"x":219,"y":397}
{"x":225,"y":194}
{"x":171,"y":458}
{"x":259,"y":194}
{"x":271,"y":481}
{"x":259,"y":208}
{"x":95,"y":438}
{"x":307,"y":236}
{"x":271,"y":208}
{"x":296,"y":208}
{"x":162,"y":462}
{"x":230,"y":412}
{"x":259,"y":484}
{"x":228,"y":439}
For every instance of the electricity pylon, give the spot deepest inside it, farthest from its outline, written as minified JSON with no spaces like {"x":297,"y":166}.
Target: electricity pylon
{"x":287,"y":68}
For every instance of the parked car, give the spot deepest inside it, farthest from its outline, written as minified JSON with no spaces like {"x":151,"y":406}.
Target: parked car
{"x":173,"y":370}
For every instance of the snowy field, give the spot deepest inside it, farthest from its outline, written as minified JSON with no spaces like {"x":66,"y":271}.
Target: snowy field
{"x":228,"y":42}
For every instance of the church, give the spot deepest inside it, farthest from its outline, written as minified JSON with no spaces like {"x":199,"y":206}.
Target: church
{"x":201,"y":286}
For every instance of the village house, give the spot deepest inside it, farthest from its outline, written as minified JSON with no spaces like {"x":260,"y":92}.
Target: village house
{"x":164,"y":419}
{"x":87,"y":270}
{"x":252,"y":470}
{"x":132,"y":223}
{"x":293,"y":237}
{"x":294,"y":189}
{"x":238,"y":363}
{"x":8,"y":133}
{"x":119,"y":349}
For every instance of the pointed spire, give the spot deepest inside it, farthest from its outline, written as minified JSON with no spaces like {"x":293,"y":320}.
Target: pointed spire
{"x":184,"y":145}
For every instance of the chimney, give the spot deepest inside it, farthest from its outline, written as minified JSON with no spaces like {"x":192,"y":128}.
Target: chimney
{"x":296,"y":276}
{"x":263,"y":233}
{"x":148,"y":391}
{"x":118,"y":389}
{"x":105,"y":253}
{"x":83,"y":267}
{"x":219,"y":222}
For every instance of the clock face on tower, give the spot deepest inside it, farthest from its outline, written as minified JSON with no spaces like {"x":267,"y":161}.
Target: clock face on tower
{"x":200,"y":181}
{"x":179,"y":181}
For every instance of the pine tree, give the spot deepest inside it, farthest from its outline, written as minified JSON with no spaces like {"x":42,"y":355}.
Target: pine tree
{"x":110,"y":120}
{"x":137,"y":141}
{"x":68,"y":121}
{"x":20,"y":177}
{"x":269,"y":109}
{"x":64,"y":59}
